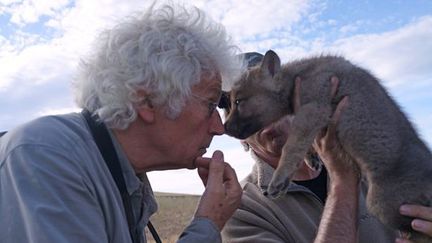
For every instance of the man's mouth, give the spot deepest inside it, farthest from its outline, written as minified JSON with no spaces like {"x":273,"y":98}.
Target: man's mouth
{"x":204,"y":149}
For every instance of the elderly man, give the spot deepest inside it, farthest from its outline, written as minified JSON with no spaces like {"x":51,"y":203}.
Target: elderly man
{"x":149,"y":91}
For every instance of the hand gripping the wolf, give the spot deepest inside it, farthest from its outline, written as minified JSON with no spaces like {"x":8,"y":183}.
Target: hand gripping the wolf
{"x":339,"y":219}
{"x":422,"y":222}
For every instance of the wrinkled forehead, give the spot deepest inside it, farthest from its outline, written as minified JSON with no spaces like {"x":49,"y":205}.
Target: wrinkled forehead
{"x":209,"y":85}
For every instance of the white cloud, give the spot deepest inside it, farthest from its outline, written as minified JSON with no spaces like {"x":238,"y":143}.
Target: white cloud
{"x":29,"y":11}
{"x":348,"y":28}
{"x":29,"y":59}
{"x":8,"y":2}
{"x":245,"y":19}
{"x":36,"y":64}
{"x":397,"y":57}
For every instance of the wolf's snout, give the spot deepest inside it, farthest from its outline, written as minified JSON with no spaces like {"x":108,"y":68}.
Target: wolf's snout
{"x":229,"y":128}
{"x":236,"y":130}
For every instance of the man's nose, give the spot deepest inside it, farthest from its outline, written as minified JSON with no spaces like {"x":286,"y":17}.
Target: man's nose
{"x":216,"y":126}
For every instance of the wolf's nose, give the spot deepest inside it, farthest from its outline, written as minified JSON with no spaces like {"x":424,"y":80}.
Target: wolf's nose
{"x":228,"y":127}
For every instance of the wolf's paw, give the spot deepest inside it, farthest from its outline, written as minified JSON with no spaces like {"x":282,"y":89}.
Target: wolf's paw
{"x":277,"y":187}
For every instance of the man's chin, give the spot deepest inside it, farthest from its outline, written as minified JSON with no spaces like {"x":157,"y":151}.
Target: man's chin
{"x":199,"y":155}
{"x":191,"y":167}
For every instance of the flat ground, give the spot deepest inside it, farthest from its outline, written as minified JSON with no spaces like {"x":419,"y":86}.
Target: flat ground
{"x":174,"y":213}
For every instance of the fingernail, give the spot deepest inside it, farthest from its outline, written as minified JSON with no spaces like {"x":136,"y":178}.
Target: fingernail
{"x":418,"y":224}
{"x":218,"y":155}
{"x":404,"y":209}
{"x":333,"y":79}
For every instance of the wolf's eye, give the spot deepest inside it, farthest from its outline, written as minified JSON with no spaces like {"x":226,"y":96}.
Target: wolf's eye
{"x":237,"y":101}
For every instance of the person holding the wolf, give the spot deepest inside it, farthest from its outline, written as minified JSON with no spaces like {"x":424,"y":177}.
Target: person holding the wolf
{"x":323,"y":205}
{"x":154,"y":81}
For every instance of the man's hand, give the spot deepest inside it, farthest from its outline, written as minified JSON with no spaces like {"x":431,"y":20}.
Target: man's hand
{"x":339,"y":218}
{"x":223,"y":192}
{"x":422,"y":222}
{"x":338,"y":163}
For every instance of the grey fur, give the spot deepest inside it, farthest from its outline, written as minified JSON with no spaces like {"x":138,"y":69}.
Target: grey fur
{"x":372,"y":129}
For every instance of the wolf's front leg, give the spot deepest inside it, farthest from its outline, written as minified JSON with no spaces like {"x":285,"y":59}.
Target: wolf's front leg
{"x":307,"y":123}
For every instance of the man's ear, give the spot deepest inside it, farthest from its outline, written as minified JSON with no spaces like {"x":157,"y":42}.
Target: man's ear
{"x":271,"y":63}
{"x":146,"y":111}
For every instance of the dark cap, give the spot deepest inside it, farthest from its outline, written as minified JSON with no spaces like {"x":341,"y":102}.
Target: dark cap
{"x":252,"y":58}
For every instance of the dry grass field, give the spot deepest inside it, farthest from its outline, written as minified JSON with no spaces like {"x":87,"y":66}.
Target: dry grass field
{"x":174,"y":213}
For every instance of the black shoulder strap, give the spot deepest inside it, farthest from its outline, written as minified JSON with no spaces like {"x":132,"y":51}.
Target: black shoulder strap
{"x":106,"y":148}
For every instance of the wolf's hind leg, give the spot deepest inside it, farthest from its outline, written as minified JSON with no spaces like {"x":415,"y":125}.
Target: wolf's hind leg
{"x":307,"y":123}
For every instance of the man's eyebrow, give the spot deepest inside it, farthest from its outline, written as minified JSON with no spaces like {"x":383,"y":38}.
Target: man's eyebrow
{"x":217,"y":95}
{"x":215,"y":91}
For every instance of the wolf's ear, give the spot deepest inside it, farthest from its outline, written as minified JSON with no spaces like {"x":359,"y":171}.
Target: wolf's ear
{"x":271,"y":63}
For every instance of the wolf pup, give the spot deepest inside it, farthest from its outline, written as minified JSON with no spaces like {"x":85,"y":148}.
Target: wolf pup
{"x":372,"y":129}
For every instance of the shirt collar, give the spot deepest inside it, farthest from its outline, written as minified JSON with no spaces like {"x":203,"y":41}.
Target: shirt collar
{"x":135,"y":184}
{"x":132,"y":181}
{"x":262,"y":174}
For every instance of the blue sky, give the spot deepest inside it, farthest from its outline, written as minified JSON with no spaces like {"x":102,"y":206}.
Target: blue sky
{"x":41,"y":42}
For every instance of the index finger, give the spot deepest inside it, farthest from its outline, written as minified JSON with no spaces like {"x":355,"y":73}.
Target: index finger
{"x":296,"y":96}
{"x":229,"y":173}
{"x":416,"y":211}
{"x":216,"y":169}
{"x":331,"y":129}
{"x":334,"y":81}
{"x":202,"y":162}
{"x":232,"y":185}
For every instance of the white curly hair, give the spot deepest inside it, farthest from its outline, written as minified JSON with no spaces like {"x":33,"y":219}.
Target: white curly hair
{"x":164,"y":52}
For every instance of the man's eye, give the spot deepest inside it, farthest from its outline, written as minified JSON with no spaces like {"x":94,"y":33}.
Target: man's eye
{"x":213,"y":106}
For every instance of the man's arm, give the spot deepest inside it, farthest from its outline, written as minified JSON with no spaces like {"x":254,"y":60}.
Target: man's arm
{"x":44,"y":198}
{"x":250,"y":226}
{"x":340,"y":215}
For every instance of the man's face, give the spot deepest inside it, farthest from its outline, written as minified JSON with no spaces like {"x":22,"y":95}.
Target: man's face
{"x":269,"y":141}
{"x":189,"y":135}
